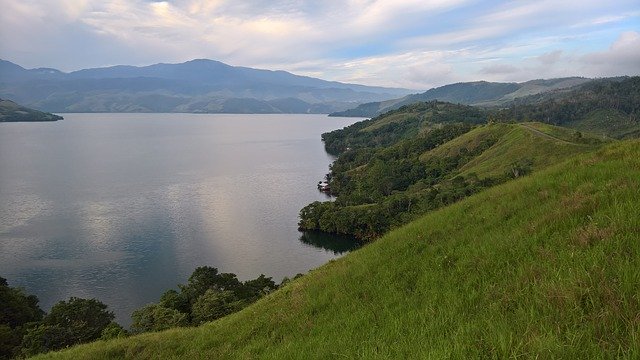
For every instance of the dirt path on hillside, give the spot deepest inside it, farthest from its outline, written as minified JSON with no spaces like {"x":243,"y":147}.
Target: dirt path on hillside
{"x":543,"y":134}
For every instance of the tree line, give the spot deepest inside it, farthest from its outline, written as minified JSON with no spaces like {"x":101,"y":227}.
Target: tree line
{"x":26,"y":330}
{"x":378,"y":189}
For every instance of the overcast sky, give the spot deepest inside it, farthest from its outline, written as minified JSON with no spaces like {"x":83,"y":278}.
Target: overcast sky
{"x":415,"y":44}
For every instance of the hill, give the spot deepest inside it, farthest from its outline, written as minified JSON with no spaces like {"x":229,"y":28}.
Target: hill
{"x":12,"y":112}
{"x":609,"y":107}
{"x":402,"y":123}
{"x":480,"y":93}
{"x":544,"y":266}
{"x":378,"y":188}
{"x":199,"y":85}
{"x":536,"y":144}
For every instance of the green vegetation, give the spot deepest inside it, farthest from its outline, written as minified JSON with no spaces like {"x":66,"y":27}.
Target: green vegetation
{"x":12,"y":112}
{"x":546,"y":266}
{"x":609,"y":107}
{"x":543,"y":266}
{"x":207,"y":296}
{"x":428,"y":165}
{"x":25,"y":330}
{"x":397,"y":125}
{"x":17,"y":311}
{"x":477,"y":93}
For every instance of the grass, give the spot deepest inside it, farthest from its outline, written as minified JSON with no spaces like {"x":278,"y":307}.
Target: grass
{"x":539,"y":144}
{"x":545,"y":267}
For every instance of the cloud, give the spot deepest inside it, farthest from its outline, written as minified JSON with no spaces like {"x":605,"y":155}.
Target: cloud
{"x":409,"y":43}
{"x":550,"y":58}
{"x":622,"y":57}
{"x":499,"y":69}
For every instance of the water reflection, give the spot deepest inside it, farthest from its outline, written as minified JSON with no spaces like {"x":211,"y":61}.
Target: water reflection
{"x":338,"y":244}
{"x":123,"y":207}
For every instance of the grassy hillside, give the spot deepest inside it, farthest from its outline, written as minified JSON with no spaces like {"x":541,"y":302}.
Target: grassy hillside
{"x":536,"y":144}
{"x":547,"y":266}
{"x":382,"y":188}
{"x":12,"y":112}
{"x":608,"y":107}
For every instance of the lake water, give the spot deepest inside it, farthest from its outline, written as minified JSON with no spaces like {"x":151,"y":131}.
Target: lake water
{"x":123,"y":207}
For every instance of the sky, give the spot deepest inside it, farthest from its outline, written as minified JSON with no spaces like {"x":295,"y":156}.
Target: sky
{"x":416,"y":44}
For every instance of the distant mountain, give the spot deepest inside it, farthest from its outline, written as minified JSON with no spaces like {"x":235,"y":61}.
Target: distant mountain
{"x":12,"y":112}
{"x":481,"y":93}
{"x":194,"y":86}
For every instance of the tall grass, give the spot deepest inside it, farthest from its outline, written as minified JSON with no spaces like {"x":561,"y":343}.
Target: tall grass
{"x":544,"y":267}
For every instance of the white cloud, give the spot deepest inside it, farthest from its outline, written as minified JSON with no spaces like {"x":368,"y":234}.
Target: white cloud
{"x":622,"y":57}
{"x":410,"y":43}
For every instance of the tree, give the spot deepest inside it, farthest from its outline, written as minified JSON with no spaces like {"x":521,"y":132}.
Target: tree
{"x":252,"y":290}
{"x":204,"y":278}
{"x":174,"y":300}
{"x":113,"y":331}
{"x":16,"y":307}
{"x":215,"y":304}
{"x":17,"y":311}
{"x":83,"y":318}
{"x":155,"y":317}
{"x":43,"y":338}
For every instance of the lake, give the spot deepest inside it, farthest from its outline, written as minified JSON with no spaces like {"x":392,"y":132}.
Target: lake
{"x":122,"y":207}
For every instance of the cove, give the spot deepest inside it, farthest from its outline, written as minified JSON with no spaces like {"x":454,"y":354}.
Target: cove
{"x":122,"y":207}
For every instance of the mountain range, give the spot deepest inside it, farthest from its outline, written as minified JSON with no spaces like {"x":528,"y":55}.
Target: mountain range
{"x":479,"y":93}
{"x":197,"y":86}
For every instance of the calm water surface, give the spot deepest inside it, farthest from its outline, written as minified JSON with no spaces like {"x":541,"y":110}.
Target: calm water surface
{"x":122,"y":207}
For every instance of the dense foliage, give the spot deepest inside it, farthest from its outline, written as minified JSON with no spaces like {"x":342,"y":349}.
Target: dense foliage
{"x":379,"y":179}
{"x":616,"y":100}
{"x":26,"y":330}
{"x":208,"y":295}
{"x":391,"y":186}
{"x":17,"y":312}
{"x":396,"y":125}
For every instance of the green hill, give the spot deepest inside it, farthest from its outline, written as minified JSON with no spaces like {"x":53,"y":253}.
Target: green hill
{"x":379,"y":188}
{"x":396,"y":125}
{"x":480,"y":93}
{"x":536,"y":144}
{"x":546,"y":266}
{"x":609,"y":107}
{"x":12,"y":112}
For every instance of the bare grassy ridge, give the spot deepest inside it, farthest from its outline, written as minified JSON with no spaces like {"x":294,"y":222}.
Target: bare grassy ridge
{"x":547,"y":266}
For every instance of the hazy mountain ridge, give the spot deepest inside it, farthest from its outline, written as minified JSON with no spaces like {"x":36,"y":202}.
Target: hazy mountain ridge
{"x":481,"y":93}
{"x":194,"y":86}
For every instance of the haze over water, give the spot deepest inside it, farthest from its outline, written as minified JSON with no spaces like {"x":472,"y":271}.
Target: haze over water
{"x":123,"y":207}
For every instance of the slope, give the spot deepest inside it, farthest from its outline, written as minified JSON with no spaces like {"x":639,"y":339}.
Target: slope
{"x":480,"y":93}
{"x":12,"y":112}
{"x":381,"y":188}
{"x":610,"y":107}
{"x":532,"y":144}
{"x":199,"y":85}
{"x":545,"y":266}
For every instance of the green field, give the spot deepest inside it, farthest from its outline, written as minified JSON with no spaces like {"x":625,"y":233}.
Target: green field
{"x":546,"y":266}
